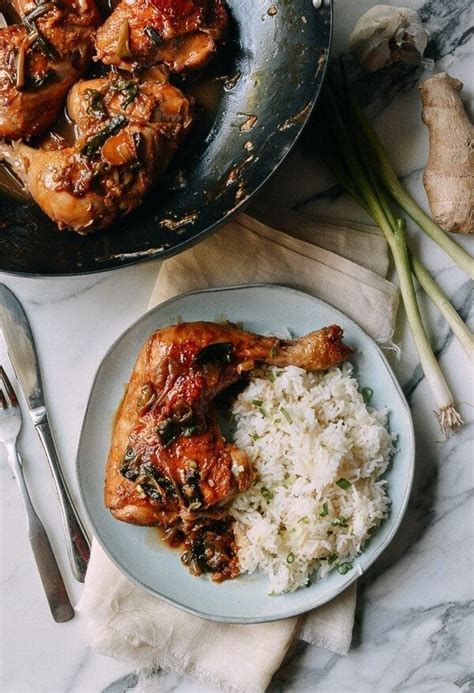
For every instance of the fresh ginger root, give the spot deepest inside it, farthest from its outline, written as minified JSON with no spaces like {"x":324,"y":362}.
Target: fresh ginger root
{"x":449,"y":173}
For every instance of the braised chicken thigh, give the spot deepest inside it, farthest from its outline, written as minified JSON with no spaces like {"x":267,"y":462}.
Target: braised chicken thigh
{"x":182,"y":34}
{"x":128,"y":131}
{"x":40,"y":60}
{"x":169,"y":464}
{"x":67,"y":25}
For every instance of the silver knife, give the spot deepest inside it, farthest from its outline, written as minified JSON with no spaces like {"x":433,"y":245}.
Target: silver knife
{"x":22,"y":352}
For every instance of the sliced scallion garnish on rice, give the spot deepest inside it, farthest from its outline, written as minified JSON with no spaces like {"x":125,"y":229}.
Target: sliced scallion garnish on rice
{"x":286,"y":415}
{"x":344,"y":484}
{"x":341,"y":521}
{"x":367,"y":393}
{"x":266,"y":493}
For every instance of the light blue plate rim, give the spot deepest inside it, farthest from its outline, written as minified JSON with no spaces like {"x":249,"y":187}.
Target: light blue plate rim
{"x":362,"y":564}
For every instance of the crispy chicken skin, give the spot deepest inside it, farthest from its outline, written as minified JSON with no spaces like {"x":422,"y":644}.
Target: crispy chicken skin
{"x":182,"y":34}
{"x":128,"y":130}
{"x":169,"y":464}
{"x":40,"y":60}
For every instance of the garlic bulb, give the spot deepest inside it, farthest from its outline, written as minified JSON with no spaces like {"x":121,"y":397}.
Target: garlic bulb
{"x":387,"y":34}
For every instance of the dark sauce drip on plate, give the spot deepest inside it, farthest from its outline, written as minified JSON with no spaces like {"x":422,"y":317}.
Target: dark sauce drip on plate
{"x":208,"y":547}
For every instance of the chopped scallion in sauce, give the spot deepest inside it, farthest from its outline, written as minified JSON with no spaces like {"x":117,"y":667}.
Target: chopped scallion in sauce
{"x":344,"y":484}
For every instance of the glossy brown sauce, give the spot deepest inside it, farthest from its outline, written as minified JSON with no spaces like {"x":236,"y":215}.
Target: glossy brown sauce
{"x":193,"y":551}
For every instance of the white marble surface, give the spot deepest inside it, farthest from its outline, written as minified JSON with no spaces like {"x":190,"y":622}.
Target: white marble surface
{"x":414,"y":629}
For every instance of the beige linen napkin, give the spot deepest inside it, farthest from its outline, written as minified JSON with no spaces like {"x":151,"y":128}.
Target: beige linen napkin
{"x":128,"y":623}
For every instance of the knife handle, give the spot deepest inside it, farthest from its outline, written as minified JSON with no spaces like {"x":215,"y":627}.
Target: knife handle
{"x":53,"y":584}
{"x":78,"y":545}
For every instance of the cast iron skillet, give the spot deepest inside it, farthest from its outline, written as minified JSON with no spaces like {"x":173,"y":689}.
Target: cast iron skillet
{"x":275,"y":63}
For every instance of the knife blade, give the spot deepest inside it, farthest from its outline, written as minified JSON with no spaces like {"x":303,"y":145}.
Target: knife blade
{"x":22,"y":352}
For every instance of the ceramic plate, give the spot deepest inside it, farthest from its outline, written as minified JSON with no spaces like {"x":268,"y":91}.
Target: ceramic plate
{"x":157,"y":568}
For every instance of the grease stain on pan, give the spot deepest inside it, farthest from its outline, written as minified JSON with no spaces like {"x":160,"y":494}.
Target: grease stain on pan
{"x":295,"y":119}
{"x":241,"y":192}
{"x":322,"y":60}
{"x":175,"y":224}
{"x":238,"y":201}
{"x":233,"y":177}
{"x":231,"y":82}
{"x":249,"y":122}
{"x":124,"y":257}
{"x":236,"y":171}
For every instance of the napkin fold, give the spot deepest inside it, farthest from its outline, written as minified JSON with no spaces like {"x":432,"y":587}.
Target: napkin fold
{"x":248,"y":251}
{"x":344,"y":264}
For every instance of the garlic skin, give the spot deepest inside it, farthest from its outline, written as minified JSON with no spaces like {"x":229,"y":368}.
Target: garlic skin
{"x":386,"y":34}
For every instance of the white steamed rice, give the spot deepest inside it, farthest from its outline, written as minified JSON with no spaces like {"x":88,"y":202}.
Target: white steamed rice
{"x":304,"y":432}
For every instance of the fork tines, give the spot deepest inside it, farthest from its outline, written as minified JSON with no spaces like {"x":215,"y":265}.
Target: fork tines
{"x":6,"y":386}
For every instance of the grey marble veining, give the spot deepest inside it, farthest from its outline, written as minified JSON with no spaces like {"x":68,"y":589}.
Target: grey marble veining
{"x":414,"y":625}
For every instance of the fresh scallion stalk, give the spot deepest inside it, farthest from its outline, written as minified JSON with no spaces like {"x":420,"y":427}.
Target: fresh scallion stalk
{"x":394,"y":231}
{"x":441,"y":301}
{"x":448,"y":416}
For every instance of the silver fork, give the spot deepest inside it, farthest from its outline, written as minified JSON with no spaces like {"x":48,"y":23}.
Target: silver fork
{"x":10,"y":425}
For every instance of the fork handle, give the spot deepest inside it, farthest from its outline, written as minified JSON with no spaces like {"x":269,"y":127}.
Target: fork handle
{"x":53,"y":584}
{"x":77,"y":541}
